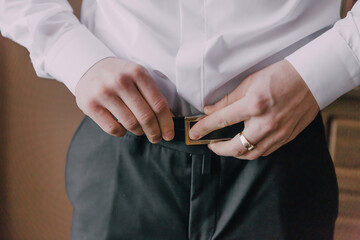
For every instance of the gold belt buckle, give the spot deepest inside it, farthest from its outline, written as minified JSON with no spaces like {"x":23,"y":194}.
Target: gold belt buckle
{"x":189,"y":122}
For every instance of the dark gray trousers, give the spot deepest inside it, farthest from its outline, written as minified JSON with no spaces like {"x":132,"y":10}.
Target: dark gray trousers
{"x":127,"y":188}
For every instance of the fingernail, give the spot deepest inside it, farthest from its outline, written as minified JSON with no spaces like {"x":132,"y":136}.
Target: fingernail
{"x":194,"y":135}
{"x":168,"y":136}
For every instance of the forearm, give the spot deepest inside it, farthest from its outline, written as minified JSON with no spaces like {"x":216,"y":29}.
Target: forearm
{"x":60,"y":46}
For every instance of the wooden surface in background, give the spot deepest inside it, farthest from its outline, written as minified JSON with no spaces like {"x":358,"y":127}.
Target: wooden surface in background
{"x":342,"y":119}
{"x":38,"y":118}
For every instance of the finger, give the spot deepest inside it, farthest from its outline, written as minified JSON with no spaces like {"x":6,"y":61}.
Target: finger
{"x":106,"y":121}
{"x":287,"y":134}
{"x":123,"y":115}
{"x":260,"y":148}
{"x":233,"y":147}
{"x":259,"y":132}
{"x":275,"y":139}
{"x":229,"y":98}
{"x":141,"y":110}
{"x":225,"y":101}
{"x":267,"y":136}
{"x":272,"y":149}
{"x":234,"y":113}
{"x":277,"y":143}
{"x":236,"y":148}
{"x":157,"y":103}
{"x":166,"y":125}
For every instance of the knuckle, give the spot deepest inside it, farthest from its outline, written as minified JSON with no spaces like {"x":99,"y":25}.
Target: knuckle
{"x":236,"y":151}
{"x":131,"y":124}
{"x":137,"y":70}
{"x":113,"y":129}
{"x":96,"y":111}
{"x":122,"y":81}
{"x":93,"y":105}
{"x":222,"y":122}
{"x":259,"y":105}
{"x":146,"y":118}
{"x":120,"y":133}
{"x":154,"y":136}
{"x":88,"y":104}
{"x":102,"y":91}
{"x":160,"y":105}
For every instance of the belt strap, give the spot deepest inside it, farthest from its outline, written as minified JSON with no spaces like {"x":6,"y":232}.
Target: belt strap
{"x":220,"y":134}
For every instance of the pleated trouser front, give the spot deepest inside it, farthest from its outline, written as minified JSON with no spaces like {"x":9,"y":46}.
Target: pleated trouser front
{"x":127,"y":188}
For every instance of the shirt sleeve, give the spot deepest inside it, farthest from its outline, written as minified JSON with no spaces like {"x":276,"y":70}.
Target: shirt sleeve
{"x":330,"y":64}
{"x":60,"y":46}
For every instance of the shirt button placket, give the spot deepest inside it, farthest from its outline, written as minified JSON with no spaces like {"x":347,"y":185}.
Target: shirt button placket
{"x":189,"y":59}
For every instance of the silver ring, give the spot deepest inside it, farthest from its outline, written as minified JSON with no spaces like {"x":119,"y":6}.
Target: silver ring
{"x":245,"y":142}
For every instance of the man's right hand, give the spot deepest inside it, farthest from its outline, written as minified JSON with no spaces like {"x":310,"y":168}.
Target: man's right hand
{"x":115,"y":88}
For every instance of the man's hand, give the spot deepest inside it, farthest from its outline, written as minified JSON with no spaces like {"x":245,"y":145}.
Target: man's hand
{"x":275,"y":105}
{"x":115,"y":88}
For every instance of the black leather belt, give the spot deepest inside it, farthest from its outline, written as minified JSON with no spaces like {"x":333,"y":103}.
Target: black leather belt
{"x":183,"y":124}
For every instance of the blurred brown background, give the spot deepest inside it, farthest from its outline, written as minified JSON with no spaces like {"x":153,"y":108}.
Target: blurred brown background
{"x":38,"y":118}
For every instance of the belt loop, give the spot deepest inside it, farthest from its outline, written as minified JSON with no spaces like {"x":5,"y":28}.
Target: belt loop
{"x":206,"y":164}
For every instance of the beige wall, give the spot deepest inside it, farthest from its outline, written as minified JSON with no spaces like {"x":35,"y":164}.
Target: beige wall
{"x":37,"y":120}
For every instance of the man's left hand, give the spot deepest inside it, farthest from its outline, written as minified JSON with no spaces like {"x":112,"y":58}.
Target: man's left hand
{"x":275,"y":105}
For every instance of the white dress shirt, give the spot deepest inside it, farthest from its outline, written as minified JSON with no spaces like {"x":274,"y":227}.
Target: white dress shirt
{"x":196,"y":50}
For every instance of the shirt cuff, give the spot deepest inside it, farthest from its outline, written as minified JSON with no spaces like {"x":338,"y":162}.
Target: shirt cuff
{"x":73,"y":55}
{"x":328,"y":67}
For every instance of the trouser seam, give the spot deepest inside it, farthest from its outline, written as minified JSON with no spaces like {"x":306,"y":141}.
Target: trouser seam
{"x":216,"y":207}
{"x":191,"y":190}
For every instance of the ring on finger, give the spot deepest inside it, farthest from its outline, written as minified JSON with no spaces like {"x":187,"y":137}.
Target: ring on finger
{"x":245,"y":142}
